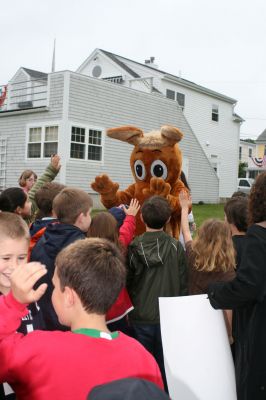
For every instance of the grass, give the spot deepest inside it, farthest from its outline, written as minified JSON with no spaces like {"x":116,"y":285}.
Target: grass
{"x":200,"y":212}
{"x":205,"y":211}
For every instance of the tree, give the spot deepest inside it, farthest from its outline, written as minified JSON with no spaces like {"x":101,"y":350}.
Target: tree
{"x":249,"y":140}
{"x":242,"y":169}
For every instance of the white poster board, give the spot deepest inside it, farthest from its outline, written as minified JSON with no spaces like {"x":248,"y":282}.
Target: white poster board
{"x":197,"y":354}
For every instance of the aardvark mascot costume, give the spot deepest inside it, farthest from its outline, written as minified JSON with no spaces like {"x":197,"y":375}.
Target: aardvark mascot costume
{"x":156,"y":164}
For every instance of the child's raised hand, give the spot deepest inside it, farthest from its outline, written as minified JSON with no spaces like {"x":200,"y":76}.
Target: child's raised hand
{"x":55,"y":161}
{"x":23,"y":280}
{"x":133,"y":208}
{"x":184,"y":199}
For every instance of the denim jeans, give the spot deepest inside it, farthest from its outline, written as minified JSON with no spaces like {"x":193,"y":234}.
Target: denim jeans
{"x":149,"y":335}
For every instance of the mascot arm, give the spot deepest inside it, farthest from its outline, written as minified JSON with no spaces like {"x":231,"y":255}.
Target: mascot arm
{"x":173,"y":197}
{"x":110,"y":196}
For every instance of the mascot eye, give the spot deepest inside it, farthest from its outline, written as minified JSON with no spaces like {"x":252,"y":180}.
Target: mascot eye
{"x":159,"y":169}
{"x":140,"y":170}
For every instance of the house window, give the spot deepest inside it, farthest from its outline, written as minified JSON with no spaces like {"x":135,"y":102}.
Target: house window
{"x":250,"y":152}
{"x":170,"y":94}
{"x":50,"y":141}
{"x":35,"y":142}
{"x":95,"y":145}
{"x":82,"y":138}
{"x":180,"y":98}
{"x":215,"y":113}
{"x":240,"y":153}
{"x":42,"y":141}
{"x":77,"y":148}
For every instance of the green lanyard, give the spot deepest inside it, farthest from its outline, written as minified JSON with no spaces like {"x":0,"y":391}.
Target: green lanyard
{"x":95,"y":333}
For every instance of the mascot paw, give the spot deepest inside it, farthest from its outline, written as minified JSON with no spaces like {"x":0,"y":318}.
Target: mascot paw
{"x":158,"y":187}
{"x":104,"y":185}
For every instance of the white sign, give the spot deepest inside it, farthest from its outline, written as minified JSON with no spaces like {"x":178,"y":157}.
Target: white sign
{"x":197,"y":354}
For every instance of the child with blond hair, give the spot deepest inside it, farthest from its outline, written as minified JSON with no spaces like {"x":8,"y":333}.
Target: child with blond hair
{"x":211,"y":255}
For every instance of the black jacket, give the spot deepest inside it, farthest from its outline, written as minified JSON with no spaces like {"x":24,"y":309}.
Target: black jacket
{"x":55,"y":238}
{"x":246,"y":295}
{"x":128,"y":389}
{"x":157,"y":267}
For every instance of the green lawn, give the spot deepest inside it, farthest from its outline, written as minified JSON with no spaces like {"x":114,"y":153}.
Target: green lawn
{"x":205,"y":211}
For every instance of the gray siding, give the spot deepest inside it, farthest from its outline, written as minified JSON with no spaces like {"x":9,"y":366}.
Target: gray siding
{"x":13,"y":126}
{"x":98,"y":104}
{"x":103,"y":104}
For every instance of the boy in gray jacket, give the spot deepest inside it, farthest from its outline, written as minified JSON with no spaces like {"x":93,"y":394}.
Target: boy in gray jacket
{"x":156,"y":268}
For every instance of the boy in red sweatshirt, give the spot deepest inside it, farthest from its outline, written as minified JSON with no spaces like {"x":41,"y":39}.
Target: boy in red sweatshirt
{"x":57,"y":365}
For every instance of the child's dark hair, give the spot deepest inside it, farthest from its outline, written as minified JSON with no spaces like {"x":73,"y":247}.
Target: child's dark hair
{"x":239,"y":193}
{"x":44,"y":198}
{"x":94,"y":268}
{"x":26,"y":175}
{"x":184,"y":180}
{"x":70,"y":203}
{"x":12,"y":226}
{"x":12,"y":198}
{"x":155,"y":212}
{"x":236,"y":211}
{"x":257,"y":200}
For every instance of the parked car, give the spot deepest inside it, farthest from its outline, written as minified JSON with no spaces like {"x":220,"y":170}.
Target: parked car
{"x":245,"y":184}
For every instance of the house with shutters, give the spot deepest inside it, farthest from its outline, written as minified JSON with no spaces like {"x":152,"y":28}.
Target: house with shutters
{"x":68,"y":112}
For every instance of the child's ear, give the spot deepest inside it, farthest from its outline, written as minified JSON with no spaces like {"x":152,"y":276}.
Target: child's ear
{"x":78,"y":219}
{"x":141,"y":218}
{"x":69,"y":297}
{"x":18,"y":210}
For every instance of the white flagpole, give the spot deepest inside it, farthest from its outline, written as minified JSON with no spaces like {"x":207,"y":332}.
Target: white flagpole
{"x":53,"y":61}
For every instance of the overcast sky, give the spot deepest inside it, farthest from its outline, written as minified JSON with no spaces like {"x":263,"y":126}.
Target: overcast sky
{"x":217,"y":44}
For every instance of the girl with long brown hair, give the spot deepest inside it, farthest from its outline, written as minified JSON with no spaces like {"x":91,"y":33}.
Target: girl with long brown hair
{"x":105,"y":225}
{"x":211,"y":255}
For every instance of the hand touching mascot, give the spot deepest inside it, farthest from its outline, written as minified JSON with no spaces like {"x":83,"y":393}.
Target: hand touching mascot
{"x":156,"y":164}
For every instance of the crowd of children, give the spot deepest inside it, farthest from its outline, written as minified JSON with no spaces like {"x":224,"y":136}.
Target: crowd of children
{"x":79,"y":311}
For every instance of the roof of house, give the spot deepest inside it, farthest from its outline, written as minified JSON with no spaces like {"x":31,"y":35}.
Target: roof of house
{"x":247,"y":143}
{"x":124,"y":66}
{"x":35,"y":74}
{"x":168,"y":76}
{"x":261,"y":138}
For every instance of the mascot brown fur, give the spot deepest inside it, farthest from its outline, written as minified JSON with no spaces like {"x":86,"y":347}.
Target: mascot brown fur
{"x":156,"y":164}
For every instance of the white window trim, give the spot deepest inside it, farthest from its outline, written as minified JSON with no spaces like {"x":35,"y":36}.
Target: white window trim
{"x":86,"y":144}
{"x":41,"y":125}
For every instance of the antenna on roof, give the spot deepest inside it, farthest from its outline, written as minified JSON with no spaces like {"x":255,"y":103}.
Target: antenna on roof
{"x":53,"y":61}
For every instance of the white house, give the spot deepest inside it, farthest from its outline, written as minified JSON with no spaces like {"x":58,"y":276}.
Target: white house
{"x":210,"y":114}
{"x":68,"y":112}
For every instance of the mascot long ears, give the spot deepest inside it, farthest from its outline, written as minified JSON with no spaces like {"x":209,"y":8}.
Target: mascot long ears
{"x":167,"y":136}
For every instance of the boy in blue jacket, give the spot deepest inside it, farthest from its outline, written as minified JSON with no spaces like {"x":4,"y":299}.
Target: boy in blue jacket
{"x":72,"y":207}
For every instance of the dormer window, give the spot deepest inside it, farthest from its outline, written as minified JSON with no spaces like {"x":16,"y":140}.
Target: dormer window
{"x":215,"y":113}
{"x":170,"y":94}
{"x":180,"y":98}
